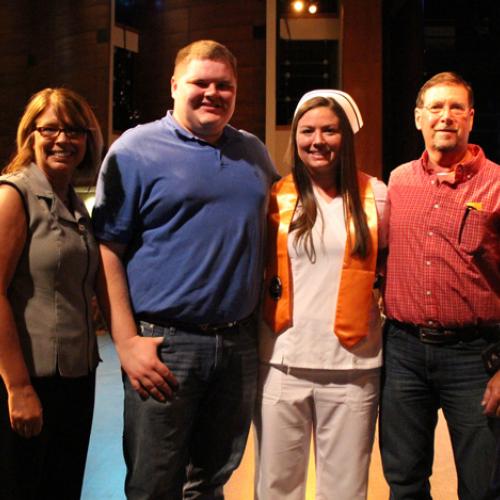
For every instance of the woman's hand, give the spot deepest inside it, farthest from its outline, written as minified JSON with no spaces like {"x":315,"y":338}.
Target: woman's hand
{"x":25,"y":411}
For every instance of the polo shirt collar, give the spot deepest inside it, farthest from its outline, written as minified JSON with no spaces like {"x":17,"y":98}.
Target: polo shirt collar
{"x":227,"y":134}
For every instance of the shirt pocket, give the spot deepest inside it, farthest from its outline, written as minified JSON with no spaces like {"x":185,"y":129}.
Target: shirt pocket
{"x":471,"y":230}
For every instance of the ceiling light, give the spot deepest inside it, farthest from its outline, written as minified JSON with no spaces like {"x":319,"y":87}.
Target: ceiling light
{"x":313,"y":8}
{"x":298,"y":6}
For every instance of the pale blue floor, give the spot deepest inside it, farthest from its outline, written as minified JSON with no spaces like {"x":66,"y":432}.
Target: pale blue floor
{"x":105,"y":469}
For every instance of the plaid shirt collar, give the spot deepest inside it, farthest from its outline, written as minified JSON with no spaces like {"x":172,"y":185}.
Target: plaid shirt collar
{"x":463,"y":172}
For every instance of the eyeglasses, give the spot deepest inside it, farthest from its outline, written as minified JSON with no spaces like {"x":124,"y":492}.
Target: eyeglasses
{"x":70,"y":132}
{"x":455,"y":110}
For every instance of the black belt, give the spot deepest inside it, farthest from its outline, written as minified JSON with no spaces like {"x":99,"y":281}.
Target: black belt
{"x":193,"y":327}
{"x":441,"y":336}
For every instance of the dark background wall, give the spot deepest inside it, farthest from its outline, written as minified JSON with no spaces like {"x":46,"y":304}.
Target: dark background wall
{"x":51,"y":43}
{"x":425,"y":37}
{"x":67,"y":42}
{"x":362,"y":70}
{"x":167,"y":26}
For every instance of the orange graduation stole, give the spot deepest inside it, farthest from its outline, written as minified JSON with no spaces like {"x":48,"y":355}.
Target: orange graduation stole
{"x":358,"y":275}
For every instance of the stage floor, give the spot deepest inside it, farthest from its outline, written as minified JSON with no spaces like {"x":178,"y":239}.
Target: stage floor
{"x":105,"y":470}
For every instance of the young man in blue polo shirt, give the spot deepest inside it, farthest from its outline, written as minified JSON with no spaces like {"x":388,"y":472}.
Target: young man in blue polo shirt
{"x":180,"y":214}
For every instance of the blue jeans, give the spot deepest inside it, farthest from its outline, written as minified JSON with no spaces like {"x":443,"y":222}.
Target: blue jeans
{"x":418,"y":379}
{"x":188,"y":446}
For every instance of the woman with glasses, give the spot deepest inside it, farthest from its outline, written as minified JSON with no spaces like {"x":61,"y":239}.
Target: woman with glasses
{"x":320,"y":343}
{"x":48,"y":263}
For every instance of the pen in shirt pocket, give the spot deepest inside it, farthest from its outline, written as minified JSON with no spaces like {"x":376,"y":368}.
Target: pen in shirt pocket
{"x":469,"y":207}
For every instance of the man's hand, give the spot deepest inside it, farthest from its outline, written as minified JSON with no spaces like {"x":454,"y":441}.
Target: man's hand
{"x":491,"y":398}
{"x":147,"y":374}
{"x":25,"y":411}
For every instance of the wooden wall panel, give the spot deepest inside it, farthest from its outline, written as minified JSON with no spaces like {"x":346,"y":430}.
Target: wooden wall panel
{"x":52,"y":43}
{"x":13,"y":61}
{"x":164,"y":31}
{"x":168,"y":21}
{"x":223,"y":13}
{"x":62,"y":42}
{"x":362,"y":76}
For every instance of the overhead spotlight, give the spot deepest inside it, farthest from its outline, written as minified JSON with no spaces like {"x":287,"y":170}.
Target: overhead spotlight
{"x":298,"y":5}
{"x":313,"y":8}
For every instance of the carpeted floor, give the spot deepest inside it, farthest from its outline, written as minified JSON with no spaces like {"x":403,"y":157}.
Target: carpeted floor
{"x":105,"y":471}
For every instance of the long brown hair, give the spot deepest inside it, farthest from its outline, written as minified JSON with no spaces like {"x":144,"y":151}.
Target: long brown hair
{"x":346,"y":183}
{"x":69,"y":107}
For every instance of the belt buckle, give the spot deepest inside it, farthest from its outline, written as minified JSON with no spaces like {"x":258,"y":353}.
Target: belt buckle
{"x":208,"y":328}
{"x":429,"y":336}
{"x":150,"y":329}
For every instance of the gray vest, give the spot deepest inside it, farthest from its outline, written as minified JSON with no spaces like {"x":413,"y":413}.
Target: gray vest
{"x":53,"y":285}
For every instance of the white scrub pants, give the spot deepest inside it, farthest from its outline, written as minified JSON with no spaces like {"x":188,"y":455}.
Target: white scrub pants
{"x":339,"y":407}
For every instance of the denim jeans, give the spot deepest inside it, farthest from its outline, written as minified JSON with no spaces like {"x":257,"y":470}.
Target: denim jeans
{"x":188,"y":446}
{"x":418,"y":379}
{"x":495,"y":476}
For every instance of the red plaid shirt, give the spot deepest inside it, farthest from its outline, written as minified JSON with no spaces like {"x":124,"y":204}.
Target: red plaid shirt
{"x":436,"y":235}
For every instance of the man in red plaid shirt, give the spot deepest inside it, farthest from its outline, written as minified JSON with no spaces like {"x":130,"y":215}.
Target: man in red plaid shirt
{"x":442,"y":301}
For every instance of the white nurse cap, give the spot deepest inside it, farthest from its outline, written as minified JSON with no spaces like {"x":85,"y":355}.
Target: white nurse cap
{"x":343,"y":99}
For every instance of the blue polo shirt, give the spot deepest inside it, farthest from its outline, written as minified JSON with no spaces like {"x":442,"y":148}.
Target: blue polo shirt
{"x":192,"y":216}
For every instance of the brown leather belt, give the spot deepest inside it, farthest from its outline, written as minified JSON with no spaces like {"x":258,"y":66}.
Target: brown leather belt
{"x":441,"y":336}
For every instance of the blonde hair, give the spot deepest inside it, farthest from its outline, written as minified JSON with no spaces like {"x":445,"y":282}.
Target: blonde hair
{"x":205,"y":49}
{"x":73,"y":110}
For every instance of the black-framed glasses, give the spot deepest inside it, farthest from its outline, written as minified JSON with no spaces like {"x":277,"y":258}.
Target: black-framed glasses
{"x":69,"y":132}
